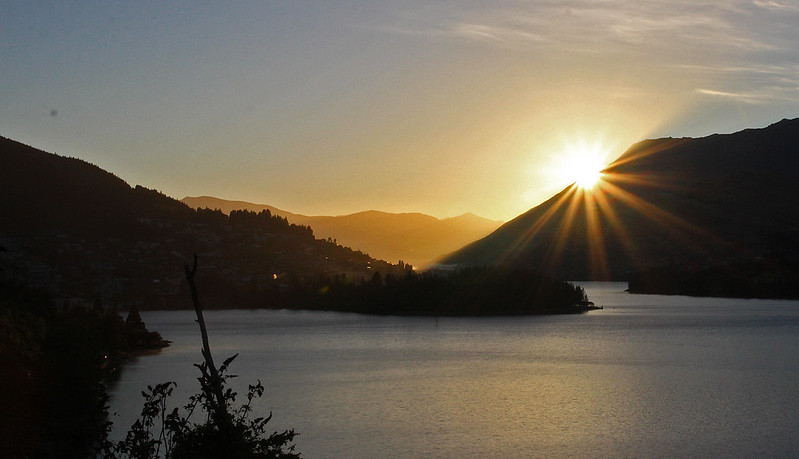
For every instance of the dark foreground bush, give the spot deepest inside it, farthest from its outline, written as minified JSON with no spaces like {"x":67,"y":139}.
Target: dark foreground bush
{"x":224,"y":432}
{"x":227,"y":433}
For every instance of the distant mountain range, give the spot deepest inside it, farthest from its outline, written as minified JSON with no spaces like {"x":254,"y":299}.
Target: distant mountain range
{"x":724,"y":208}
{"x":414,"y":238}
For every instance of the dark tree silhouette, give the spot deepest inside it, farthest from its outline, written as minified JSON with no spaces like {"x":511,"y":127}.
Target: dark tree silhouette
{"x":227,"y":433}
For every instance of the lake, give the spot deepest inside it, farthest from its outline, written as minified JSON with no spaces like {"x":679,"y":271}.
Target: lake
{"x":647,"y":376}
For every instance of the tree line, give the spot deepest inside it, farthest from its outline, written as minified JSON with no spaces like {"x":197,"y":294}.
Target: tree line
{"x":465,"y":292}
{"x":55,"y":360}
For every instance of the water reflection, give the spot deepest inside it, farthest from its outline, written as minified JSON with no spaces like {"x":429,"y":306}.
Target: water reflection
{"x":648,"y":375}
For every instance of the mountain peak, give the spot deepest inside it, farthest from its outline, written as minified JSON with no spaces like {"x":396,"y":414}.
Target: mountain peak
{"x":698,"y":201}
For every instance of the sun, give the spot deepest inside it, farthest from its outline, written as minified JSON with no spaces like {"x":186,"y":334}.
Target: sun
{"x":581,"y":163}
{"x":587,"y":175}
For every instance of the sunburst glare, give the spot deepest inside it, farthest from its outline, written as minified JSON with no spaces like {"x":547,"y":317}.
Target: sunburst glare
{"x":582,"y":163}
{"x":586,"y":214}
{"x":587,"y":176}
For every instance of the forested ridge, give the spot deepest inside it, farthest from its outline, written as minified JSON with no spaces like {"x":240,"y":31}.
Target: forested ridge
{"x":84,"y":233}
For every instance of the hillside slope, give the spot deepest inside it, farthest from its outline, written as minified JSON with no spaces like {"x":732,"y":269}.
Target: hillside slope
{"x":688,"y":204}
{"x":87,"y":235}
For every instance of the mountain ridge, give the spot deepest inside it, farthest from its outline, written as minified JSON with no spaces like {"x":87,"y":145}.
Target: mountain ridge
{"x":691,"y":203}
{"x":413,"y":237}
{"x":84,"y":233}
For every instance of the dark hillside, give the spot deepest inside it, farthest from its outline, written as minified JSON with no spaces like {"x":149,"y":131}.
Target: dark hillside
{"x":42,"y":190}
{"x":691,"y":205}
{"x":85,"y":234}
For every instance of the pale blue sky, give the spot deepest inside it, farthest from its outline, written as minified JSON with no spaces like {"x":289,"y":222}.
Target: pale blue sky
{"x":333,"y":107}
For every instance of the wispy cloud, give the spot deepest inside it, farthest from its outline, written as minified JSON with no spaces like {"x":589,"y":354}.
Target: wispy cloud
{"x":751,"y":69}
{"x":748,"y":45}
{"x":758,"y":95}
{"x":498,"y":33}
{"x":775,"y":5}
{"x":716,"y":93}
{"x":766,"y":83}
{"x":592,"y":24}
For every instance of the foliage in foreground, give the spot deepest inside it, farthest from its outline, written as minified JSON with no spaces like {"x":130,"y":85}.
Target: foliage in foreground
{"x":226,"y":432}
{"x":229,"y":433}
{"x":55,"y":362}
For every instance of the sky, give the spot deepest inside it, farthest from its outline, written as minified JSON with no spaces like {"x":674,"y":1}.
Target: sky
{"x":333,"y":107}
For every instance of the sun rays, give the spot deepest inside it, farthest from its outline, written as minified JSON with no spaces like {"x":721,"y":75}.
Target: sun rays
{"x":587,"y":221}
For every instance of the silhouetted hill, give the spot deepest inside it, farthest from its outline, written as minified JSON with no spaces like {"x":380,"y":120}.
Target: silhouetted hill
{"x":44,"y":190}
{"x":722,"y":203}
{"x":86,"y":234}
{"x":415,"y":238}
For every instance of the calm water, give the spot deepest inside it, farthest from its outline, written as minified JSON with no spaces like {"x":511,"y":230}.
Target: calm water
{"x":647,"y":376}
